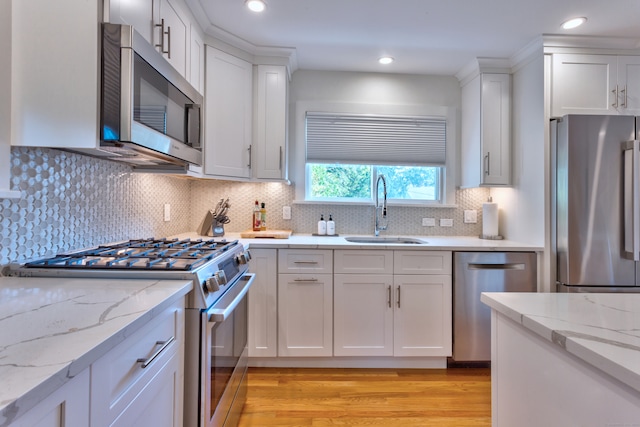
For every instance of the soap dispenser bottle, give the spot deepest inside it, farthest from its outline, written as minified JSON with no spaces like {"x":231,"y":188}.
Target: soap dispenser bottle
{"x":322,"y":226}
{"x":331,"y":226}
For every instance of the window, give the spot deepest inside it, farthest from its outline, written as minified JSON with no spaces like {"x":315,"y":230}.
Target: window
{"x":345,"y":154}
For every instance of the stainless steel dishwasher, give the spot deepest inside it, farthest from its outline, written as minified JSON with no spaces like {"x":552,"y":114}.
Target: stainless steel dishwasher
{"x":477,"y":272}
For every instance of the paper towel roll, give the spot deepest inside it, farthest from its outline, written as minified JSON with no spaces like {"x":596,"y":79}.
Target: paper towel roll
{"x":490,"y":219}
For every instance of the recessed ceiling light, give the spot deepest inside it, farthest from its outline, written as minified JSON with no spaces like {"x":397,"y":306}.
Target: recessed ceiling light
{"x":385,"y":60}
{"x":256,"y":5}
{"x":573,"y":23}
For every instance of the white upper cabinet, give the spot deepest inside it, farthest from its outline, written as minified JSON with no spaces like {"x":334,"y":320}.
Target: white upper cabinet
{"x":486,"y":131}
{"x":172,"y":33}
{"x":138,"y":13}
{"x":595,"y":84}
{"x":54,"y":86}
{"x":270,"y":132}
{"x":228,"y":113}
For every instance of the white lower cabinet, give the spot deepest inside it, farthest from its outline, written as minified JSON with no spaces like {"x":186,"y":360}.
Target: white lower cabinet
{"x":68,"y":406}
{"x":263,"y":304}
{"x":392,"y":314}
{"x":140,"y":381}
{"x":305,"y":315}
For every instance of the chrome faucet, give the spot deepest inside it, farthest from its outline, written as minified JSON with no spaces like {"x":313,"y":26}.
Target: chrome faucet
{"x":380,"y":211}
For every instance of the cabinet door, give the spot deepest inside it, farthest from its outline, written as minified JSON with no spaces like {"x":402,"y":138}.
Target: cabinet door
{"x":629,"y":84}
{"x":196,"y":58}
{"x":363,"y":315}
{"x":495,"y":114}
{"x":583,"y":84}
{"x":305,"y":315}
{"x":137,"y":13}
{"x":175,"y":36}
{"x":68,"y":406}
{"x":54,"y":96}
{"x":270,"y":136}
{"x":422,"y":317}
{"x":263,"y":304}
{"x":228,"y":105}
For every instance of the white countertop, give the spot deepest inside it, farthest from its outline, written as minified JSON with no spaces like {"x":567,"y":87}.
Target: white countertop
{"x":442,"y":243}
{"x":601,"y":329}
{"x":51,"y":329}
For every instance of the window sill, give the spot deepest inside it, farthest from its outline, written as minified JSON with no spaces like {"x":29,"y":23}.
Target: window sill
{"x":390,"y":203}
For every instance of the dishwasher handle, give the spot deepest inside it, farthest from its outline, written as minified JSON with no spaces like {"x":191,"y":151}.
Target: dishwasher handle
{"x":504,"y":266}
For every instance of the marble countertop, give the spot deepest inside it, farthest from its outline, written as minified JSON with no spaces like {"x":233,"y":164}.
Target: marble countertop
{"x":601,"y":329}
{"x":51,"y":329}
{"x":443,"y":243}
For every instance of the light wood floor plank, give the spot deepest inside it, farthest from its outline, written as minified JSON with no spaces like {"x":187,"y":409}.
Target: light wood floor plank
{"x":457,"y":397}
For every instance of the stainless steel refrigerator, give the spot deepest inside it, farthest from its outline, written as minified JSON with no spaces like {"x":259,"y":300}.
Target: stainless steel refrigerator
{"x":597,"y":203}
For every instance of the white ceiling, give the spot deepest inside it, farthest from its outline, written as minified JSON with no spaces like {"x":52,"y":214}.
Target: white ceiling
{"x":424,"y":36}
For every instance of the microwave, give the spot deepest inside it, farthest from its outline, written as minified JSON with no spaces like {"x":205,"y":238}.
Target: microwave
{"x":151,"y":116}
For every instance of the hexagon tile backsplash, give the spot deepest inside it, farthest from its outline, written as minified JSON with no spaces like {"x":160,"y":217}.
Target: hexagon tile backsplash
{"x":70,"y":202}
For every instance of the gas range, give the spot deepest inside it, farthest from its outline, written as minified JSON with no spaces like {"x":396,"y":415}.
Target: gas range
{"x":210,"y":264}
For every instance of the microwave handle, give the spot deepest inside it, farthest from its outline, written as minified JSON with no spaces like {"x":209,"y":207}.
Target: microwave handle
{"x":192,"y":124}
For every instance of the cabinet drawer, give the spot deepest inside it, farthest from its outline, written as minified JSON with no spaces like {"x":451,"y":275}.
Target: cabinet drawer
{"x":118,"y":377}
{"x":363,"y":262}
{"x":422,"y":262}
{"x":305,"y":261}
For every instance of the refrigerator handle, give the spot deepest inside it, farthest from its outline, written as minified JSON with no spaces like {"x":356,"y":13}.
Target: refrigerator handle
{"x":632,"y":200}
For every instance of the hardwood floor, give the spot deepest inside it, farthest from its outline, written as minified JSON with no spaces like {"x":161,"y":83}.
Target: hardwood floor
{"x":457,"y":397}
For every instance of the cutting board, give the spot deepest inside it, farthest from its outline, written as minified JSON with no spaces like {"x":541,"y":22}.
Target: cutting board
{"x":273,"y":234}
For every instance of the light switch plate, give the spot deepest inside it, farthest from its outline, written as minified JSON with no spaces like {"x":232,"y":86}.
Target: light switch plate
{"x":428,"y":222}
{"x":167,"y":212}
{"x":286,"y":212}
{"x":446,"y":222}
{"x":470,"y":216}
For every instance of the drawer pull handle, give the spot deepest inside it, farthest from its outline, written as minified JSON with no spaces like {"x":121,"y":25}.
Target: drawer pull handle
{"x":165,"y":344}
{"x":305,"y":280}
{"x":305,"y":262}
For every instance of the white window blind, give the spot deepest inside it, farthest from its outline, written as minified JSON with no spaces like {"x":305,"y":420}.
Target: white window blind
{"x":375,"y":140}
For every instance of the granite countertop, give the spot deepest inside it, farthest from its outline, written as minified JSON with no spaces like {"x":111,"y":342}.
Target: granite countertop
{"x":51,"y":329}
{"x":442,"y":243}
{"x":601,"y":329}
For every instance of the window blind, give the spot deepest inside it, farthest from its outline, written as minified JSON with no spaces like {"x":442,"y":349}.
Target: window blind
{"x":375,"y":140}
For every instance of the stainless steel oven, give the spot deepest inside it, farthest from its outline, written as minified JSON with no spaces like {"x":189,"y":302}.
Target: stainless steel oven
{"x":216,"y":326}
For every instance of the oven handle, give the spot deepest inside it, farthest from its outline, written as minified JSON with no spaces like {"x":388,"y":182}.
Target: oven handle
{"x":223,"y":308}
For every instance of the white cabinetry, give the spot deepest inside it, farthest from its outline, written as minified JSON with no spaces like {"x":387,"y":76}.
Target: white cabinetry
{"x":263,"y":304}
{"x":171,"y":36}
{"x":595,"y":84}
{"x":305,"y":303}
{"x":140,"y":381}
{"x":228,"y":107}
{"x":404,"y":309}
{"x":54,"y":85}
{"x":68,"y":406}
{"x":486,"y":131}
{"x":270,"y":131}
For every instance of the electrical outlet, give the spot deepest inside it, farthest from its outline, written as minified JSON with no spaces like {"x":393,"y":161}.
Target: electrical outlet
{"x":428,"y":222}
{"x":167,"y":212}
{"x":286,"y":212}
{"x":470,"y":216}
{"x":446,"y":222}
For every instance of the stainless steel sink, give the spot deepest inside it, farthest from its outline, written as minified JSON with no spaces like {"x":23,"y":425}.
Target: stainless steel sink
{"x":385,"y":240}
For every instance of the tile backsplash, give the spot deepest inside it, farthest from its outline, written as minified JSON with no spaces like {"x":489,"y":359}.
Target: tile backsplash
{"x":70,"y":201}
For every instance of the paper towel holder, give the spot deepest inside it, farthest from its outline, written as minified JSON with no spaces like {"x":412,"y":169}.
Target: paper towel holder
{"x":485,"y":212}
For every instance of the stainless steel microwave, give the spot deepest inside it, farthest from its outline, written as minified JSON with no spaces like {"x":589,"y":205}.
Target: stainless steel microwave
{"x":150,"y":115}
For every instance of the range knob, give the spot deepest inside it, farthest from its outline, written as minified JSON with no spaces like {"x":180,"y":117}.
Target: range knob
{"x":221,"y":277}
{"x":243,"y":257}
{"x":211,"y":284}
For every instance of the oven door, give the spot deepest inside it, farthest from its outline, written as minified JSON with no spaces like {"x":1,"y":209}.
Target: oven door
{"x":226,"y":355}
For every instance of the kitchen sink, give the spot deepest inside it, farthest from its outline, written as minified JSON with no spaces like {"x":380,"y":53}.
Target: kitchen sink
{"x":385,"y":240}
